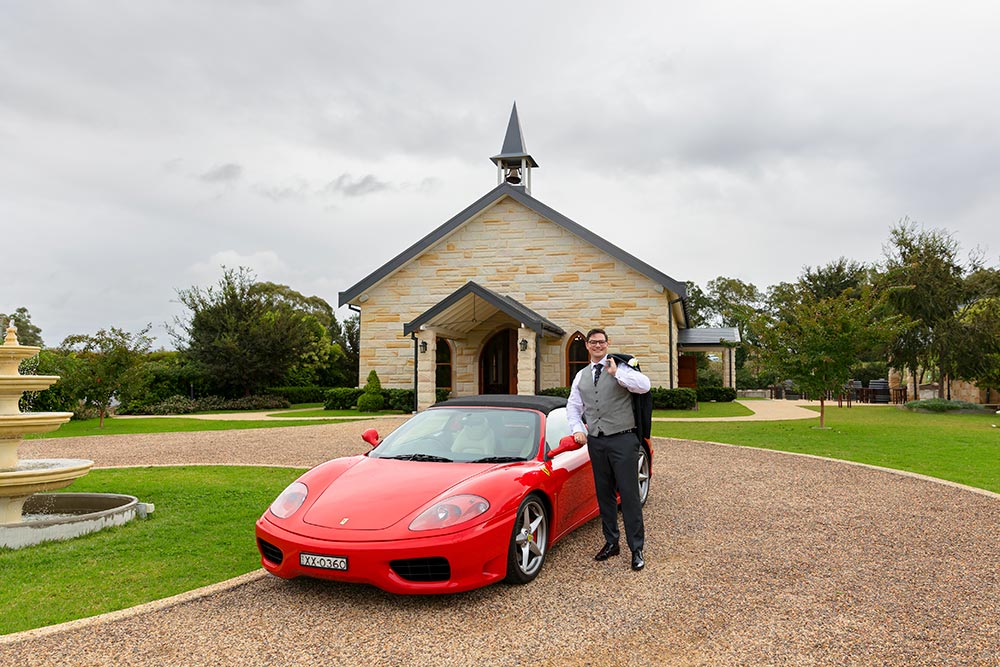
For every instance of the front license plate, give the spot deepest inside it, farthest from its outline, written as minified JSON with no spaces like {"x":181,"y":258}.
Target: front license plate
{"x":323,"y":562}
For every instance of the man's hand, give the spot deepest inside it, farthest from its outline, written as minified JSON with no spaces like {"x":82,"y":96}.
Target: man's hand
{"x":612,"y":366}
{"x":580,"y":437}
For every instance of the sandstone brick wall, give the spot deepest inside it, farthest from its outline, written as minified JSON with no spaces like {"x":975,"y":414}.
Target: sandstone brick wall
{"x":513,"y":251}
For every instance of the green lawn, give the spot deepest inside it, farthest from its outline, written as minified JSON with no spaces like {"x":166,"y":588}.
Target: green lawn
{"x":706,"y":410}
{"x":961,"y":448}
{"x":200,"y":533}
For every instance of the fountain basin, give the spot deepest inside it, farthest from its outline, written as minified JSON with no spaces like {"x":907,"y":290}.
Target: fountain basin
{"x":73,"y":515}
{"x":34,"y":476}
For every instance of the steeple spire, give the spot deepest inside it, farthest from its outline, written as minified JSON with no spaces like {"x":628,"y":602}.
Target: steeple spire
{"x":514,"y":163}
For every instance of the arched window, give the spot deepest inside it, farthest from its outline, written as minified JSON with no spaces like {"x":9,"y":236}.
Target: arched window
{"x":577,"y":356}
{"x":442,"y":373}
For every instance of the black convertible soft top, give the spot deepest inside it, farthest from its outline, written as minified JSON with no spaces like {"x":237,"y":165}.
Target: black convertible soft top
{"x":544,"y":404}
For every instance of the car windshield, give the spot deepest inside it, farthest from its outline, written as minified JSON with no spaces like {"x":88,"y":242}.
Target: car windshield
{"x":482,"y":435}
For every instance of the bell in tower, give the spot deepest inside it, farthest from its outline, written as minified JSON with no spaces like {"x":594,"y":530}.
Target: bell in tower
{"x":514,"y":164}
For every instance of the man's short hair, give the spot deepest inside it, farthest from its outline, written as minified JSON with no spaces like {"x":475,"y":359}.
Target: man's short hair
{"x":596,"y":331}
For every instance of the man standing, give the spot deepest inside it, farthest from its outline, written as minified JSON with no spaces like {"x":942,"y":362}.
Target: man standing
{"x":601,"y":394}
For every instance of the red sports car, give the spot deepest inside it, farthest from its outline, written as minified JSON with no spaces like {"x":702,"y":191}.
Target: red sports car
{"x":468,"y":492}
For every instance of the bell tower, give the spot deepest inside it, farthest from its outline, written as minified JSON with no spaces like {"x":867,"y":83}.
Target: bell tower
{"x":513,"y":163}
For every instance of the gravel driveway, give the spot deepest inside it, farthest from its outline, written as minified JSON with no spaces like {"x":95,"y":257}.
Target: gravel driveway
{"x":753,"y":558}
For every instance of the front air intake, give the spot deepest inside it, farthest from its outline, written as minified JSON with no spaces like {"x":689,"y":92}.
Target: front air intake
{"x":422,"y":569}
{"x":270,"y":552}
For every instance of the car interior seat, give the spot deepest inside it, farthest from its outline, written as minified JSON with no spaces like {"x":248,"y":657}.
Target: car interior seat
{"x":519,"y":439}
{"x":476,"y":437}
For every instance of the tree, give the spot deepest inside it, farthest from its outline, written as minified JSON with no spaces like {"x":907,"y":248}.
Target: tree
{"x":105,"y":363}
{"x":27,"y":333}
{"x":347,"y":337}
{"x":841,"y":276}
{"x":820,"y":342}
{"x":922,"y":280}
{"x":734,"y":303}
{"x":246,"y":336}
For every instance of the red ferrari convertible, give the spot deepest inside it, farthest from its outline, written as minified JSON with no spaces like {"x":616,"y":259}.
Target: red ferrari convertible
{"x":468,"y":492}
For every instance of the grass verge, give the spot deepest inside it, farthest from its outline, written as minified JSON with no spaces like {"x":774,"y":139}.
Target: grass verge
{"x":707,"y":410}
{"x":201,"y":533}
{"x":119,"y":426}
{"x":962,"y":448}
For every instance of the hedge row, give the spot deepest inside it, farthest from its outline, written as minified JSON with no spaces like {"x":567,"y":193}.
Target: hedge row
{"x":663,"y":399}
{"x":182,"y":405}
{"x":717,"y":394}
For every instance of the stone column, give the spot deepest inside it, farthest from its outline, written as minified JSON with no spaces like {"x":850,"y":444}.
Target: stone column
{"x":526,"y":362}
{"x":426,"y":367}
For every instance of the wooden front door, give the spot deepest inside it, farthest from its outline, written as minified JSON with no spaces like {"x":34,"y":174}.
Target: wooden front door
{"x":687,"y":371}
{"x":498,"y":364}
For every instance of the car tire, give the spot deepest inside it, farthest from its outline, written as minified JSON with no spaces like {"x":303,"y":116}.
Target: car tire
{"x":644,"y":474}
{"x":528,"y":541}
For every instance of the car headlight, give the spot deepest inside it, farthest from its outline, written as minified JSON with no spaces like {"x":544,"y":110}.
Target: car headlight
{"x":450,"y":512}
{"x":289,"y":500}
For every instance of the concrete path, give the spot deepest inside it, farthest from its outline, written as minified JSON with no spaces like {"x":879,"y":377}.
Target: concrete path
{"x":767,"y":410}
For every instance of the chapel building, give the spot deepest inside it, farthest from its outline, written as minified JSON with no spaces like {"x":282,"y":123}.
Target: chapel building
{"x":497,"y":300}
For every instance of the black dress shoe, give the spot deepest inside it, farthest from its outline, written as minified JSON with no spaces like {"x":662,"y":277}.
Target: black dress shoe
{"x":637,"y":562}
{"x":607,"y":551}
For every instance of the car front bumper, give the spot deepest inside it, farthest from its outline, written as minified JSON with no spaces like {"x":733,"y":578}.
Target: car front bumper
{"x":476,"y":556}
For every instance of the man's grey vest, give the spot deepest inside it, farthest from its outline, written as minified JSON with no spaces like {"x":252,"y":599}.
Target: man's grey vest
{"x":607,"y":406}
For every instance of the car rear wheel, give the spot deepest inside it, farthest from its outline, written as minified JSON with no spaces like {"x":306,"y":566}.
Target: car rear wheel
{"x":643,"y":475}
{"x":528,"y":541}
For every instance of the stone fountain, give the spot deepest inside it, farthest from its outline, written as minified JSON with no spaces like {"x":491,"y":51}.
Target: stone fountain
{"x":52,"y":516}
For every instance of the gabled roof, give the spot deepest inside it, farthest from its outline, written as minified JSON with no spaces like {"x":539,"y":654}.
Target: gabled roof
{"x":708,"y":336}
{"x":519,"y":195}
{"x":457,"y":312}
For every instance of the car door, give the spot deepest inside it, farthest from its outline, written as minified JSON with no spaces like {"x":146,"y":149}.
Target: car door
{"x":575,"y":499}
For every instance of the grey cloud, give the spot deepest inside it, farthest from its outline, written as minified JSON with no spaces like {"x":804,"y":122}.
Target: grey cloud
{"x":225,"y":173}
{"x":347,"y":185}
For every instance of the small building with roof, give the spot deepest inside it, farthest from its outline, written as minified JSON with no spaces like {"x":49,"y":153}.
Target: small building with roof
{"x":497,"y":300}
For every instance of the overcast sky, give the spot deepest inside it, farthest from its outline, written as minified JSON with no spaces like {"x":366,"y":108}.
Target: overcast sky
{"x":143,"y":145}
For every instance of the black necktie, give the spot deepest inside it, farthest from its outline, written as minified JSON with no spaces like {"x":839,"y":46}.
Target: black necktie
{"x":597,"y":372}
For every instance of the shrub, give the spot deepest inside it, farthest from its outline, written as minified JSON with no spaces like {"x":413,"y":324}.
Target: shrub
{"x":718,"y":394}
{"x":441,"y":395}
{"x":673,"y":399}
{"x":555,"y":391}
{"x":342,"y":398}
{"x":942,"y":405}
{"x":398,"y":399}
{"x":371,"y":400}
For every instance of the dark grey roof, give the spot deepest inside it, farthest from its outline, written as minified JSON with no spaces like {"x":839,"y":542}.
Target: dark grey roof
{"x":505,"y":304}
{"x":518,"y":194}
{"x":513,"y":142}
{"x":708,"y":336}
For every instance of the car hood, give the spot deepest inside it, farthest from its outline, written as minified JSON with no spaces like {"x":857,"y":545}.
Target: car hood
{"x":378,"y":493}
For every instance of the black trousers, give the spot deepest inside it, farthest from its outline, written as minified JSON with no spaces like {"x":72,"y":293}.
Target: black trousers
{"x":615,"y":462}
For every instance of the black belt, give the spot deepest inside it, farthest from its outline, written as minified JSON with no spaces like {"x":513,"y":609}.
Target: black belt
{"x":610,"y":435}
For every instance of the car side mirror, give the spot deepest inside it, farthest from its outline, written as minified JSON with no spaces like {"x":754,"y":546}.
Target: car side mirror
{"x":566,"y":444}
{"x":371,"y":437}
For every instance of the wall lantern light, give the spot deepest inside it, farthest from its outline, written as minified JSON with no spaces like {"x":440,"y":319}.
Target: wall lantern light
{"x":524,"y":344}
{"x":423,"y":346}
